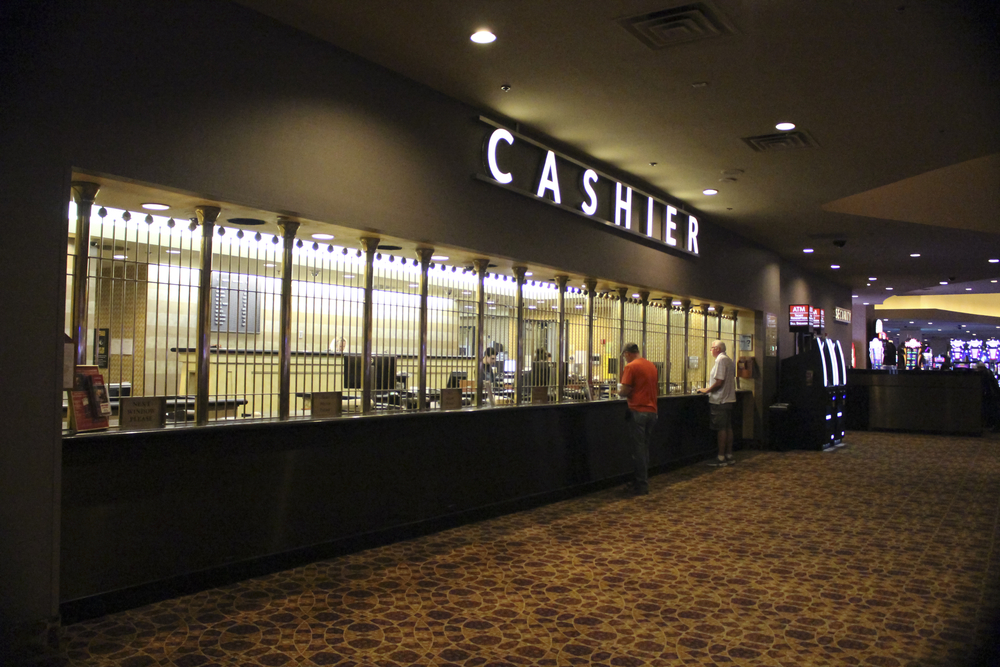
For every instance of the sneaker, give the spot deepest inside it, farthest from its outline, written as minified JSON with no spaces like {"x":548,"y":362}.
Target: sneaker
{"x":716,"y":463}
{"x":730,"y":461}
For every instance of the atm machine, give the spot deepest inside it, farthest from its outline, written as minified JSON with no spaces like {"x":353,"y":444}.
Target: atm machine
{"x":814,"y":385}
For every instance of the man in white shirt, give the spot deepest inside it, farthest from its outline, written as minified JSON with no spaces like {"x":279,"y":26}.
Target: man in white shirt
{"x":721,"y":399}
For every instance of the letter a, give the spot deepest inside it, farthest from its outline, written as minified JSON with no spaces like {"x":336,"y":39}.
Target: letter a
{"x":549,"y":179}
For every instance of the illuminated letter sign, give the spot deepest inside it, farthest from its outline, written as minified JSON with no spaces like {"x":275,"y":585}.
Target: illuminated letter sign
{"x":623,"y":206}
{"x":549,"y":179}
{"x":590,"y":206}
{"x":671,"y":226}
{"x":530,"y":168}
{"x":499,"y":134}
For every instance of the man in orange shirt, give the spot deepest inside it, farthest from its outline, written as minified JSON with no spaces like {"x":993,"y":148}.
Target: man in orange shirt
{"x":640,"y":385}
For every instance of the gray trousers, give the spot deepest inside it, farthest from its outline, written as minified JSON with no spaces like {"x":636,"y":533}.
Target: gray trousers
{"x":640,"y":430}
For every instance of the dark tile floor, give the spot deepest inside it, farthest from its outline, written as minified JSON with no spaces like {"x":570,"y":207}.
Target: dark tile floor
{"x":884,"y":552}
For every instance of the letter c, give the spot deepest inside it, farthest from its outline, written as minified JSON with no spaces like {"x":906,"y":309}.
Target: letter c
{"x":491,"y":154}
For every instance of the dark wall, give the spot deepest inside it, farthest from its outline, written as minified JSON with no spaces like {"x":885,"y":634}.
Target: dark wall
{"x":209,"y":98}
{"x":148,"y":507}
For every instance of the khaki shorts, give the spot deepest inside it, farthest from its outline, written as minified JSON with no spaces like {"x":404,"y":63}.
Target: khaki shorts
{"x":720,"y":416}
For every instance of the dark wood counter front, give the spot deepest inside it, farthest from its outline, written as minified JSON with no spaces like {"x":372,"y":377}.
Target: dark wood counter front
{"x":187,"y":508}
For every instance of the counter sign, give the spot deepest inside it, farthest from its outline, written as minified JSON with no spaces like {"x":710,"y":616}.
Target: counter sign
{"x":518,"y":163}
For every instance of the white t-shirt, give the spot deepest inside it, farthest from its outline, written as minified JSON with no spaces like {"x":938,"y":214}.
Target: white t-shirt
{"x":725,"y":370}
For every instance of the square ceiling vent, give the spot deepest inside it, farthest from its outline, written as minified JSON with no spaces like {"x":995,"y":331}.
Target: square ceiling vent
{"x":781,"y":141}
{"x":684,"y":24}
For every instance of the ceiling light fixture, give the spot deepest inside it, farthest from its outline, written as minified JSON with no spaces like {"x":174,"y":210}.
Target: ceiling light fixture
{"x":710,"y":192}
{"x":785,"y":127}
{"x":944,"y":282}
{"x":439,"y":258}
{"x":483,"y":37}
{"x":807,"y":250}
{"x":995,"y":261}
{"x":322,"y":237}
{"x":153,"y":206}
{"x":873,"y":279}
{"x":914,"y":254}
{"x":854,"y":296}
{"x":700,"y":84}
{"x":835,"y":266}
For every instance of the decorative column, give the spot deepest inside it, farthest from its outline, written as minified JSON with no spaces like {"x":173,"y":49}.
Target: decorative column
{"x":519,"y":272}
{"x":686,"y":305}
{"x":644,"y":299}
{"x":668,"y":304}
{"x":481,"y":265}
{"x":288,"y":229}
{"x":206,"y":217}
{"x":424,"y":255}
{"x":562,"y":356}
{"x":591,"y":285}
{"x":622,"y":295}
{"x":84,"y":195}
{"x":370,"y":246}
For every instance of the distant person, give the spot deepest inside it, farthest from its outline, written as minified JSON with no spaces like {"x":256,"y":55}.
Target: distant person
{"x":541,"y":373}
{"x":489,"y":367}
{"x":901,"y":358}
{"x":889,"y":354}
{"x":946,"y":363}
{"x":721,"y":399}
{"x":639,"y":384}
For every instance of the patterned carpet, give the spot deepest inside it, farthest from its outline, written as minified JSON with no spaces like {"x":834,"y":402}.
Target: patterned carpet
{"x":883,"y":552}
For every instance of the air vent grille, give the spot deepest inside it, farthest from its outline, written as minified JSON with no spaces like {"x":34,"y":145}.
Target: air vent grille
{"x":678,"y":25}
{"x":782,"y":141}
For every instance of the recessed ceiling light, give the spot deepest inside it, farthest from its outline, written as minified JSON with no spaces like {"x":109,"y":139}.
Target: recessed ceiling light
{"x":944,"y":282}
{"x":173,"y":252}
{"x":873,"y":279}
{"x":439,"y":258}
{"x":968,"y":289}
{"x":710,"y":192}
{"x":120,"y":257}
{"x":322,"y":237}
{"x":930,"y":323}
{"x":889,"y":288}
{"x":866,"y":303}
{"x":483,"y":37}
{"x":653,"y":164}
{"x":807,"y":250}
{"x":914,"y":254}
{"x":854,"y":296}
{"x":675,"y":303}
{"x":635,"y":296}
{"x":994,"y":261}
{"x":529,"y":273}
{"x":785,"y":127}
{"x":153,"y":206}
{"x":992,"y":281}
{"x":911,"y":322}
{"x":835,"y":266}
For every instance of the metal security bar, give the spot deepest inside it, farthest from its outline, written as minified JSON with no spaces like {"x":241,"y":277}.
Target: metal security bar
{"x":607,"y":332}
{"x":698,"y":365}
{"x":144,"y":283}
{"x":657,"y":316}
{"x":541,"y":341}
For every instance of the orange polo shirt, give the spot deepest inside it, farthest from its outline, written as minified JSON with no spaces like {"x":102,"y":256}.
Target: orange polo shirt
{"x":642,"y":376}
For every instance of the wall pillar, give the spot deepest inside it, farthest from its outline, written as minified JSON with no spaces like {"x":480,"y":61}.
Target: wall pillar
{"x":288,"y":230}
{"x":206,"y":217}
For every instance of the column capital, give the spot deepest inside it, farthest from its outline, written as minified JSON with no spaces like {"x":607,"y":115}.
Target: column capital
{"x":289,"y":228}
{"x":207,"y":215}
{"x":590,"y":284}
{"x":481,"y":264}
{"x":644,"y":296}
{"x":370,"y":244}
{"x":622,"y":293}
{"x":84,"y":192}
{"x":519,"y":272}
{"x":561,"y":281}
{"x":424,"y":255}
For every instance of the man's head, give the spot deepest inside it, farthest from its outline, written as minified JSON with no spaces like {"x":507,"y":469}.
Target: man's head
{"x":630,"y":351}
{"x":490,"y":357}
{"x":718,"y":347}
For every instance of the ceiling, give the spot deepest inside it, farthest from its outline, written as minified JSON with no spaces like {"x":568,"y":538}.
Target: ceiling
{"x":897,"y":103}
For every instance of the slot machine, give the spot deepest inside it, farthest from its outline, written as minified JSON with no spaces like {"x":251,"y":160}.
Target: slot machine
{"x":975,"y":348}
{"x":959,"y":355}
{"x":813,"y":384}
{"x":992,"y":354}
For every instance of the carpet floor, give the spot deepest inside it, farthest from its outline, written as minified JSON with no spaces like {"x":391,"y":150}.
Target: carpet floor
{"x":882,"y":552}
